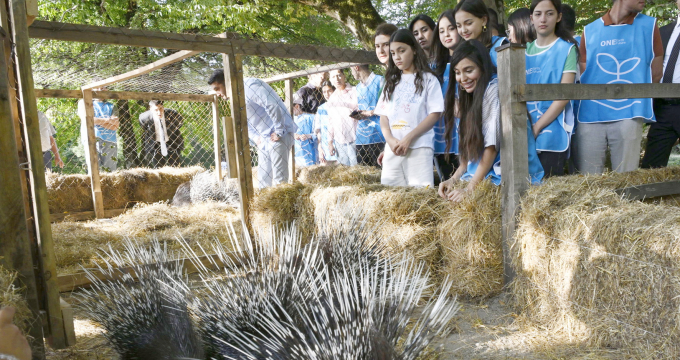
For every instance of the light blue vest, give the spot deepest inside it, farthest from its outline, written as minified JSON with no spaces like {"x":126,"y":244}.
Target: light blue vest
{"x":368,"y":130}
{"x":618,"y":54}
{"x":496,"y":41}
{"x":440,"y":126}
{"x":323,"y":124}
{"x":305,"y":150}
{"x":547,"y":68}
{"x":103,"y":110}
{"x":494,"y":174}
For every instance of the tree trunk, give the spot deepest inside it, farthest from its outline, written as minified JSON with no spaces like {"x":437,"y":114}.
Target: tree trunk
{"x":359,"y":16}
{"x":127,"y":133}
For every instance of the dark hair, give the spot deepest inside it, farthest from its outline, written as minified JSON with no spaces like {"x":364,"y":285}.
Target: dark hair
{"x":364,"y":67}
{"x":560,"y":30}
{"x":216,"y":77}
{"x":469,"y":105}
{"x":327,"y":83}
{"x":393,"y":74}
{"x":441,"y":53}
{"x":385,"y":29}
{"x":156,"y":102}
{"x":520,"y":20}
{"x":568,"y":18}
{"x":431,"y":24}
{"x":478,"y":9}
{"x":493,"y":22}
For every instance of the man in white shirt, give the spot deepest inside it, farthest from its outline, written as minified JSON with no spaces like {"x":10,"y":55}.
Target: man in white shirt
{"x":665,"y":132}
{"x":270,"y":126}
{"x":49,"y":145}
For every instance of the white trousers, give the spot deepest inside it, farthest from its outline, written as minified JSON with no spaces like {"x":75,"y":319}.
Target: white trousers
{"x":272,"y":160}
{"x":414,"y":169}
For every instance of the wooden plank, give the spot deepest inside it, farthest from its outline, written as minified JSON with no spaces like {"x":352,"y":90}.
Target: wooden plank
{"x":233,"y":77}
{"x":16,"y":253}
{"x":229,"y":146}
{"x":543,"y":92}
{"x":84,"y":215}
{"x":72,"y":282}
{"x":41,"y":212}
{"x":514,"y":160}
{"x":646,"y":191}
{"x":93,"y":169}
{"x":203,"y":43}
{"x":310,"y":71}
{"x":69,"y":326}
{"x":290,"y":106}
{"x":216,"y":138}
{"x":122,"y":95}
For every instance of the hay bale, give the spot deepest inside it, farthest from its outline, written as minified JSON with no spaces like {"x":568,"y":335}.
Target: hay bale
{"x":281,"y":205}
{"x":120,"y":189}
{"x":338,"y":175}
{"x":10,"y":295}
{"x":205,"y":187}
{"x":598,"y":269}
{"x":77,"y":243}
{"x":470,"y":236}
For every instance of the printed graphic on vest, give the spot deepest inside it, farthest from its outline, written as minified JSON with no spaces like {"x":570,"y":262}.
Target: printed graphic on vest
{"x":609,"y":64}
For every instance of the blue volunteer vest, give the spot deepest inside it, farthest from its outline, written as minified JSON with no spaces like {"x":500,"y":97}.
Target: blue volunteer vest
{"x":618,"y":54}
{"x":323,"y":118}
{"x":496,"y":41}
{"x":439,"y":145}
{"x":305,"y":150}
{"x":547,"y":68}
{"x":368,"y":130}
{"x":103,"y":110}
{"x":494,"y":174}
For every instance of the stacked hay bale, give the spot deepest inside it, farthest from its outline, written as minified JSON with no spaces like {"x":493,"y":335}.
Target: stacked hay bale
{"x":599,"y":269}
{"x":10,"y":295}
{"x":77,"y":243}
{"x":120,"y":189}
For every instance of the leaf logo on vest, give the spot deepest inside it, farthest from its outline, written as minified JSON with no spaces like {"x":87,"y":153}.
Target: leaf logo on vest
{"x":533,"y":70}
{"x":536,"y":113}
{"x":401,"y":125}
{"x":611,"y":65}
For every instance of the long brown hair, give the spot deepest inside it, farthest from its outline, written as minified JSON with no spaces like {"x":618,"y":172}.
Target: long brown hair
{"x":469,"y":105}
{"x":478,"y":9}
{"x":393,"y":74}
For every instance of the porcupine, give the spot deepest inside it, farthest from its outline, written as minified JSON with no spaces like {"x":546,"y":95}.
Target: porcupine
{"x":147,"y":317}
{"x":205,"y":187}
{"x":280,"y":300}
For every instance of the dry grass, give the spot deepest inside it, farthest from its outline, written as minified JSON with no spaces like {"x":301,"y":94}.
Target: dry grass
{"x":281,"y":206}
{"x":339,"y":175}
{"x":77,"y":243}
{"x":120,"y":189}
{"x":599,"y":269}
{"x":11,"y":295}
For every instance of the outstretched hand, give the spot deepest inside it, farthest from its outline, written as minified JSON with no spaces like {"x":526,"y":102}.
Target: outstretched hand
{"x":12,"y":342}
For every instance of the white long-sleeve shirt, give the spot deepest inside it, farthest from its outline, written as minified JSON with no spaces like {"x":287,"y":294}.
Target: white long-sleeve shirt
{"x":266,"y":111}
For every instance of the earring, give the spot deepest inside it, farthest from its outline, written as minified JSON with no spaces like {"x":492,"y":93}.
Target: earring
{"x":484,"y":28}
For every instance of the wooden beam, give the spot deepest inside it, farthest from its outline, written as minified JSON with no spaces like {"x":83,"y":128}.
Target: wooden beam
{"x":16,"y":253}
{"x":544,"y":92}
{"x":216,"y":139}
{"x":229,"y":146}
{"x":647,"y":191}
{"x":291,"y":108}
{"x":122,"y":95}
{"x":84,"y":216}
{"x":514,"y":158}
{"x":69,"y":327}
{"x":202,"y":43}
{"x":310,"y":71}
{"x":41,"y":211}
{"x":91,"y":148}
{"x":234,"y":85}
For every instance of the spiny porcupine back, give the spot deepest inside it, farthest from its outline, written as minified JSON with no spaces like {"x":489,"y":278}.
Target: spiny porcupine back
{"x":205,"y":187}
{"x":147,"y":317}
{"x":182,"y":195}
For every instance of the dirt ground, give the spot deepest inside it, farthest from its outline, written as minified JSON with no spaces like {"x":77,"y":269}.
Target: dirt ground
{"x":489,"y":330}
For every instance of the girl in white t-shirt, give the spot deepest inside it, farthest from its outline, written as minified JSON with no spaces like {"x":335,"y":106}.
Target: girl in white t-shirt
{"x":410,"y":105}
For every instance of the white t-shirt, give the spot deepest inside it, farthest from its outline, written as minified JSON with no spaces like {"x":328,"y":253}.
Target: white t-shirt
{"x":407,"y":109}
{"x":46,"y":130}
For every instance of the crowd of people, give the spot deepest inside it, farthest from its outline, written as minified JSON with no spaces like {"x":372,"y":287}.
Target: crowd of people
{"x":438,"y":105}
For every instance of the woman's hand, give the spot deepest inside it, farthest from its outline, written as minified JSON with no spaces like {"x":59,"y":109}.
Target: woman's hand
{"x":380,"y":158}
{"x":445,"y":187}
{"x":402,"y":146}
{"x":331,"y":148}
{"x":536,"y":130}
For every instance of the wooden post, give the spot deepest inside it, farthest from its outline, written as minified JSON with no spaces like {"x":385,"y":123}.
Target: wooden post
{"x":233,"y":78}
{"x":91,"y":148}
{"x":514,"y":153}
{"x":16,"y":253}
{"x":216,"y":139}
{"x":290,"y":106}
{"x":41,"y":210}
{"x":229,"y":147}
